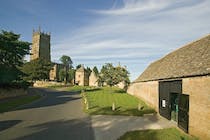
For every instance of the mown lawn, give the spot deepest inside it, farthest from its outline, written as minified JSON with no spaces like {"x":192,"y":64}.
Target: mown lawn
{"x":161,"y":134}
{"x":16,"y":102}
{"x":69,"y":88}
{"x":77,"y":88}
{"x":100,"y":101}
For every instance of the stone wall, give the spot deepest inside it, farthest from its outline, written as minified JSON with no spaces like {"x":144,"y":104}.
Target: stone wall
{"x":11,"y":92}
{"x":47,"y":83}
{"x":148,"y":91}
{"x":198,"y":89}
{"x":44,"y":46}
{"x":54,"y":72}
{"x":35,"y":46}
{"x":93,"y":79}
{"x":86,"y":79}
{"x":40,"y":46}
{"x":81,"y":78}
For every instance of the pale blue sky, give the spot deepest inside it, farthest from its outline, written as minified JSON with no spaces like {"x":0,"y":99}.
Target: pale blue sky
{"x":93,"y":32}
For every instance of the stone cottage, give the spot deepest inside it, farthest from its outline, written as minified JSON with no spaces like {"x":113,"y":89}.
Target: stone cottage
{"x":93,"y":79}
{"x":81,"y":77}
{"x":178,"y":87}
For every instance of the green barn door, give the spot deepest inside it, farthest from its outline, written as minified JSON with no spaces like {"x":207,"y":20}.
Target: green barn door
{"x":183,"y":115}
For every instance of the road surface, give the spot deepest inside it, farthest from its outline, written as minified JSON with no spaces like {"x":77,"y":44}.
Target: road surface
{"x":58,"y":116}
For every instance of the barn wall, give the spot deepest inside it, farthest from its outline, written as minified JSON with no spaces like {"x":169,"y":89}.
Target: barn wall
{"x":148,"y":91}
{"x":199,"y":107}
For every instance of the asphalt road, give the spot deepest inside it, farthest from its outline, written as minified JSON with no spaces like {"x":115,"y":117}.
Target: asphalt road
{"x":58,"y":116}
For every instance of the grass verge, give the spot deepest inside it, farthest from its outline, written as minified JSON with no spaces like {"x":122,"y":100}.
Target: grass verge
{"x":71,"y":88}
{"x":160,"y":134}
{"x":100,"y":101}
{"x":16,"y":102}
{"x":77,"y":88}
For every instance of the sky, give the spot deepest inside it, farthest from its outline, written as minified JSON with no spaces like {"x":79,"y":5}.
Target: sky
{"x":133,"y":33}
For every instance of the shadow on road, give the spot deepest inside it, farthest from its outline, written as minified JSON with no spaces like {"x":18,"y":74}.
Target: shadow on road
{"x":52,"y":98}
{"x":76,"y":129}
{"x":7,"y":124}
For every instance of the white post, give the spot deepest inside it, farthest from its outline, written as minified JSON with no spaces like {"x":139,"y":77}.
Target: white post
{"x":87,"y":106}
{"x":139,"y":107}
{"x":113,"y":106}
{"x":85,"y":100}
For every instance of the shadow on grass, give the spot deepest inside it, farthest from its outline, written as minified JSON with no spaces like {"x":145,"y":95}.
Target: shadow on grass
{"x":8,"y":123}
{"x":93,"y":89}
{"x":119,"y":91}
{"x":76,"y":129}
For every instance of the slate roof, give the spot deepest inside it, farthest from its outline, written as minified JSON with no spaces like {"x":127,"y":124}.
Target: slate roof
{"x":191,"y":60}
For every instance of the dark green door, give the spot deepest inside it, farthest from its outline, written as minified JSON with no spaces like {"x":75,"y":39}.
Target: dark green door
{"x":183,"y":115}
{"x":174,"y":106}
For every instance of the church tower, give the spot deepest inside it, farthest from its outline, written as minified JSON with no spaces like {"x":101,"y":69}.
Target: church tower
{"x":40,"y":45}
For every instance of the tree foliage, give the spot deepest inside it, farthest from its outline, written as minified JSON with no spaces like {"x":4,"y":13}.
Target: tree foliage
{"x":95,"y":69}
{"x":71,"y":74}
{"x":113,"y":75}
{"x":78,"y":66}
{"x":62,"y":75}
{"x":67,"y":62}
{"x":12,"y":52}
{"x":37,"y":69}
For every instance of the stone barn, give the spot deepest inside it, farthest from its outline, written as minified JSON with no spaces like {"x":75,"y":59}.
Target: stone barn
{"x":93,"y":79}
{"x":178,"y":87}
{"x":81,"y":77}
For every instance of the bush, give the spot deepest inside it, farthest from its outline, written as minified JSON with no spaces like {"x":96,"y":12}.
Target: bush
{"x":17,"y":84}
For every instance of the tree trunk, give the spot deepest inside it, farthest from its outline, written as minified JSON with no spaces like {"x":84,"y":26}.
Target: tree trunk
{"x":65,"y":75}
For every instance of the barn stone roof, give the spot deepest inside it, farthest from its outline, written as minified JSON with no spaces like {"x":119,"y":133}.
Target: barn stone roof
{"x":190,"y":60}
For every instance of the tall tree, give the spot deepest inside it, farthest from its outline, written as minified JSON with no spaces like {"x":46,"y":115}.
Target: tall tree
{"x":78,"y":66}
{"x":37,"y":69}
{"x":67,"y":62}
{"x":62,"y":75}
{"x":95,"y":69}
{"x":12,"y":52}
{"x":123,"y":76}
{"x":71,"y":74}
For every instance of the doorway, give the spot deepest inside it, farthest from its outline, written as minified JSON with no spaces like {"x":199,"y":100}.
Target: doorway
{"x":183,"y":115}
{"x":174,"y":106}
